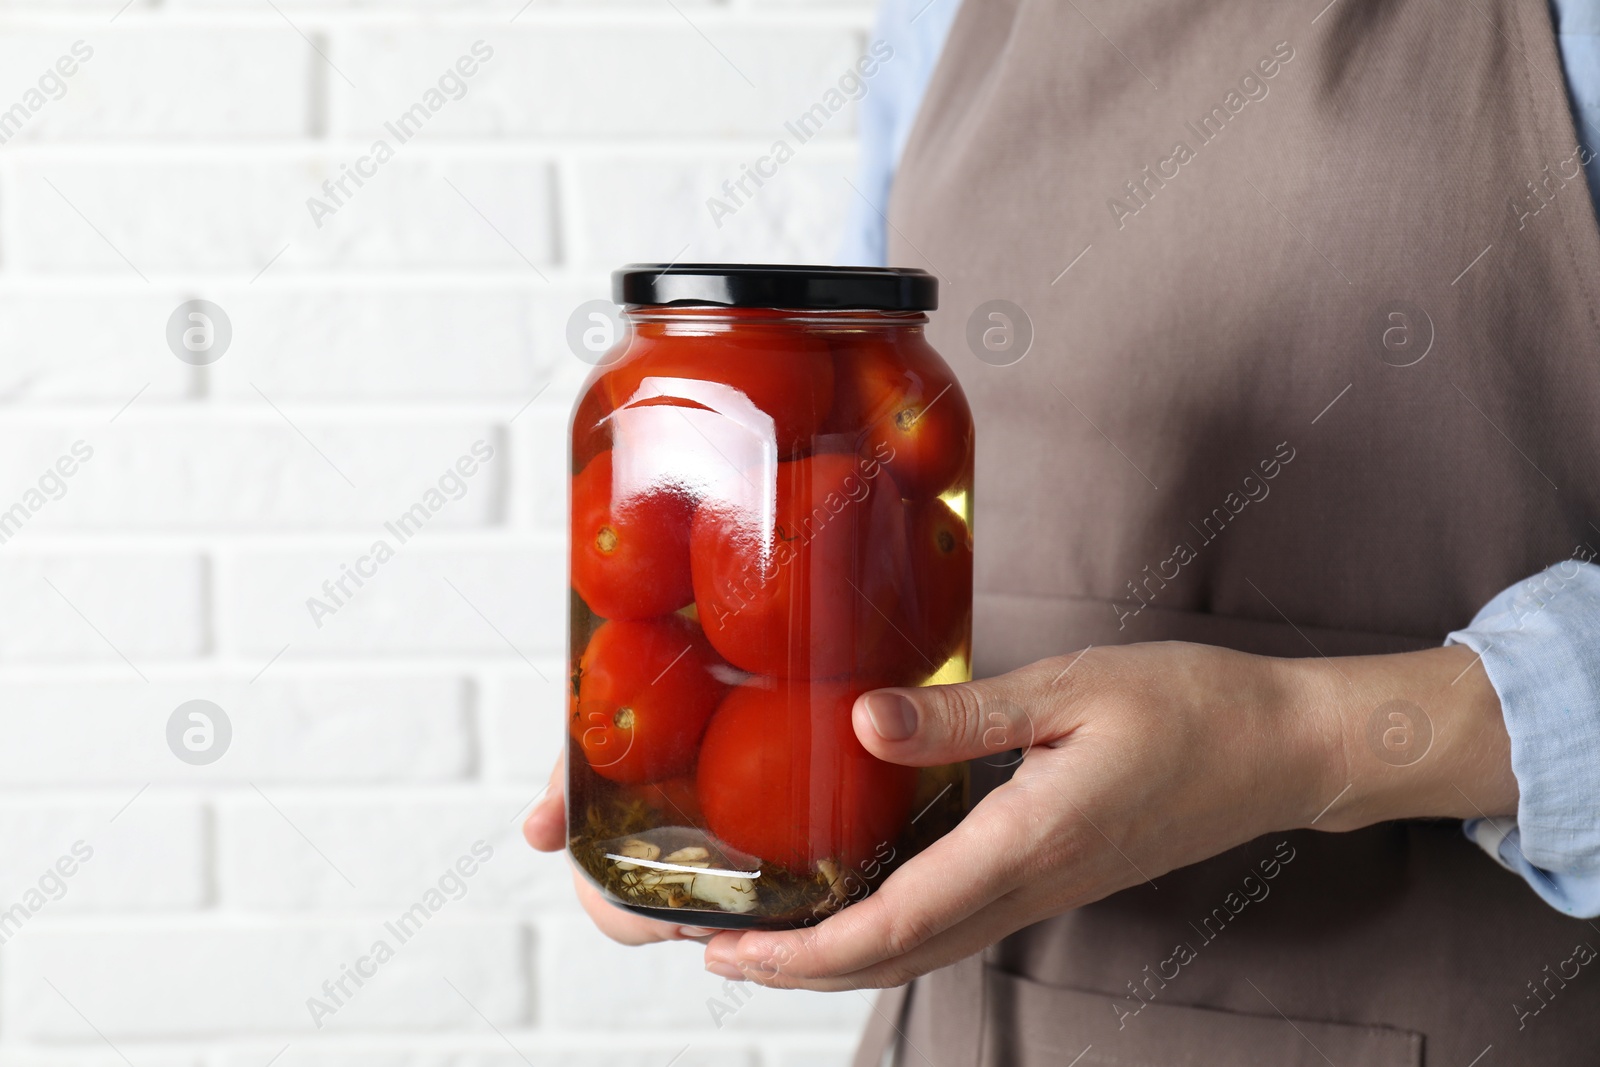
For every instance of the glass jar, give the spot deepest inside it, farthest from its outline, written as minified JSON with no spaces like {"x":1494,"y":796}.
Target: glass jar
{"x":771,"y":506}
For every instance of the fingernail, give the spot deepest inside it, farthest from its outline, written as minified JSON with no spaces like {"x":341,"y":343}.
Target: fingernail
{"x":726,"y":970}
{"x":695,"y":931}
{"x":892,"y":715}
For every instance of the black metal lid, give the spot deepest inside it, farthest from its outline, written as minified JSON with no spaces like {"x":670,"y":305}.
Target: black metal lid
{"x":765,"y":285}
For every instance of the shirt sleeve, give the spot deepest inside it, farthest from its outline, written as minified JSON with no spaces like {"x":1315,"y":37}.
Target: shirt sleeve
{"x":1578,"y":40}
{"x":1540,"y":645}
{"x":914,"y":32}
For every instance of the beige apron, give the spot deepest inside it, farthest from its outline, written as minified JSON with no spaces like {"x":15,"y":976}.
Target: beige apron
{"x":1375,"y":268}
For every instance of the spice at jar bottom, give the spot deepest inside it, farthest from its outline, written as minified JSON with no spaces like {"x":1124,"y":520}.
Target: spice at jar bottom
{"x":771,"y":514}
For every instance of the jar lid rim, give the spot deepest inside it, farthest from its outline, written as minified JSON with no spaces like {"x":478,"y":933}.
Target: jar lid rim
{"x":775,"y":285}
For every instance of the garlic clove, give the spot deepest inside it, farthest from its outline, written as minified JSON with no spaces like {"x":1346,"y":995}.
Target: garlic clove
{"x":687,"y":855}
{"x":636,"y":849}
{"x":730,"y":894}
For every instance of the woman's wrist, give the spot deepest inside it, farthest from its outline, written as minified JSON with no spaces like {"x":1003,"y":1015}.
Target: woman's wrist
{"x":1412,"y":735}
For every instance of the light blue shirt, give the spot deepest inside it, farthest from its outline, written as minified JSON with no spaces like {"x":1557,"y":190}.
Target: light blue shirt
{"x":1539,"y":640}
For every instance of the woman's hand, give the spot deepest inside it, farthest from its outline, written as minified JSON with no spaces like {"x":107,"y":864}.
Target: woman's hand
{"x":546,"y":830}
{"x":1138,"y":760}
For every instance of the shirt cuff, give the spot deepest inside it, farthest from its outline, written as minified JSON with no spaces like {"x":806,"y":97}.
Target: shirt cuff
{"x":1540,"y":645}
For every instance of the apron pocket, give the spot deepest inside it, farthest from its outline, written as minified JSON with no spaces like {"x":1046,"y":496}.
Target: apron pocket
{"x":1034,"y":1025}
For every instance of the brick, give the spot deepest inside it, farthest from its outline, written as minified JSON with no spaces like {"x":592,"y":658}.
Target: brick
{"x":75,"y":5}
{"x":666,"y":986}
{"x":78,"y":1056}
{"x":370,"y":343}
{"x":192,"y":83}
{"x":652,"y":208}
{"x":837,"y":1053}
{"x":256,"y":471}
{"x":392,"y":850}
{"x":145,"y":606}
{"x":147,"y":855}
{"x":286,"y":729}
{"x":409,"y":606}
{"x":199,"y":979}
{"x":530,"y":12}
{"x":89,"y":344}
{"x":597,"y":81}
{"x":542,"y":453}
{"x":526,"y":726}
{"x":239,"y":213}
{"x":534,"y":1049}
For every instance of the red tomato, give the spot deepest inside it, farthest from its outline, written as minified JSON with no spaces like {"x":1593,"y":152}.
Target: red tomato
{"x":752,"y":375}
{"x":931,"y":620}
{"x":906,"y":405}
{"x":941,"y":561}
{"x":641,"y":696}
{"x":783,"y":777}
{"x":800,"y":584}
{"x":630,"y":555}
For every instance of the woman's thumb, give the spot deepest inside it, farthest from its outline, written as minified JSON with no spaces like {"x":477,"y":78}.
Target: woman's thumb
{"x":927,"y":725}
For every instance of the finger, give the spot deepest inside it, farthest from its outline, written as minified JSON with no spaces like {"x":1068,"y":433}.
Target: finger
{"x":928,"y":725}
{"x":963,"y":872}
{"x":545,"y":828}
{"x":626,"y":927}
{"x":971,"y":935}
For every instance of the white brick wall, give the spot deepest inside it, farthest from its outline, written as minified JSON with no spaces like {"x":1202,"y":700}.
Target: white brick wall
{"x":425,"y":313}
